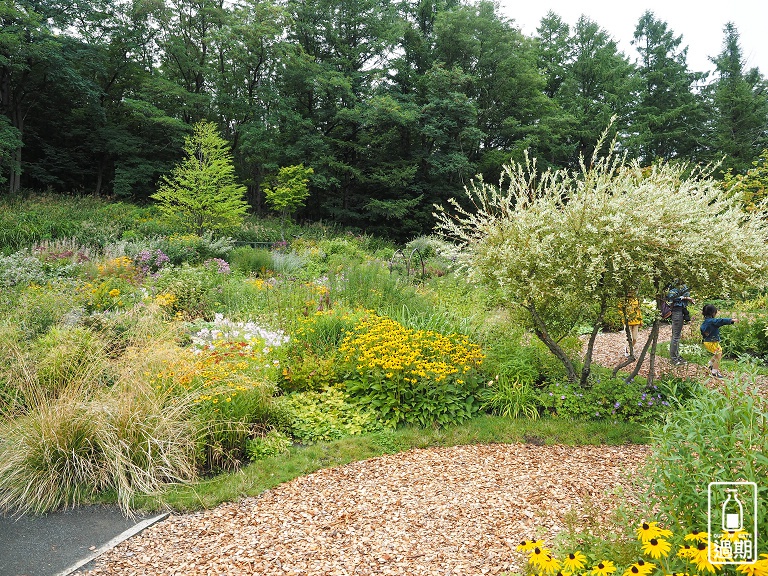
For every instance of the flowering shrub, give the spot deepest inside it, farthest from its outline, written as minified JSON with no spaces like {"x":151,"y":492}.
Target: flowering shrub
{"x":120,"y":267}
{"x":196,"y":289}
{"x":414,"y":376}
{"x":607,"y":398}
{"x":110,"y":293}
{"x":663,"y":554}
{"x":151,"y":262}
{"x":221,"y":266}
{"x":227,"y":370}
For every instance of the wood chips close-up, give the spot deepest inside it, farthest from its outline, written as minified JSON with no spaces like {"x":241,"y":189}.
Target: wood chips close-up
{"x":459,"y":510}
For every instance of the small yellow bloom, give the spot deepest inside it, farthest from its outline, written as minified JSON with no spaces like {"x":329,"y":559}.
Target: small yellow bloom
{"x":114,"y":292}
{"x":696,"y":536}
{"x":648,"y":530}
{"x":604,"y":568}
{"x":528,"y":545}
{"x":574,"y":561}
{"x":657,"y":547}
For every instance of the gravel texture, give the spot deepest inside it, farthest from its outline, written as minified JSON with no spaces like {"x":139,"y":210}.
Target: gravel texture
{"x":459,"y":510}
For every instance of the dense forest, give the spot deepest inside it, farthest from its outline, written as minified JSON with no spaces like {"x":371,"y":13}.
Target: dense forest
{"x":394,"y":104}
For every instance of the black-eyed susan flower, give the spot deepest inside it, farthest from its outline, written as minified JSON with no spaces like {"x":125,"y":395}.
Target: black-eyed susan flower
{"x":528,"y":545}
{"x":735,"y":535}
{"x":657,"y":548}
{"x":640,"y":568}
{"x":697,"y":536}
{"x":604,"y":568}
{"x":537,"y":555}
{"x":759,"y":568}
{"x":574,"y":561}
{"x":686,"y":551}
{"x":700,"y":558}
{"x":549,"y":564}
{"x":648,"y":530}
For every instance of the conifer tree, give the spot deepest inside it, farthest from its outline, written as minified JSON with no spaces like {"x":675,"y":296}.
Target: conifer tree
{"x":202,"y":189}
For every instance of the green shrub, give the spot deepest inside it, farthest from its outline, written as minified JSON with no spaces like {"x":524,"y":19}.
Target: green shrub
{"x":748,"y":336}
{"x":247,"y":260}
{"x":196,"y":290}
{"x":605,"y":398}
{"x":505,"y":396}
{"x":718,"y":435}
{"x":321,"y":416}
{"x":271,"y":444}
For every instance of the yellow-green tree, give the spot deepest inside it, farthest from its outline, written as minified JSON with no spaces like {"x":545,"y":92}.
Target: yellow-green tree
{"x":751,"y":187}
{"x":287,"y":191}
{"x":202,"y":189}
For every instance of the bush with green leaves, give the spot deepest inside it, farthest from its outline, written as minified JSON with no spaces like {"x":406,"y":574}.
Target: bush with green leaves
{"x":719,"y":435}
{"x":320,"y":416}
{"x":250,"y":260}
{"x":750,"y":334}
{"x":604,"y":398}
{"x":272,"y":443}
{"x":196,"y":289}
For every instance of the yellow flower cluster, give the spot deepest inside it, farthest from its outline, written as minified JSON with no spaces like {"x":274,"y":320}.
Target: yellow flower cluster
{"x":383,"y":345}
{"x":120,"y":267}
{"x":213,"y":375}
{"x":696,"y":549}
{"x":165,"y":299}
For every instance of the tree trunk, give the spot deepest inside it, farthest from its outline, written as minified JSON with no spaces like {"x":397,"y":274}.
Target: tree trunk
{"x":540,"y":330}
{"x":652,"y":338}
{"x":586,"y":368}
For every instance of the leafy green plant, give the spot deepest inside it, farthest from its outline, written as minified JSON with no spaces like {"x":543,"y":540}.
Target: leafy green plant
{"x":324,"y":415}
{"x":195,"y":289}
{"x":247,"y":260}
{"x":511,"y":398}
{"x":718,"y":435}
{"x":272,"y":443}
{"x":605,"y":397}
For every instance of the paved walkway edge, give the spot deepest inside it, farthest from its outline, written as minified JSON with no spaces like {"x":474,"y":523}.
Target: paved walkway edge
{"x":143,"y":525}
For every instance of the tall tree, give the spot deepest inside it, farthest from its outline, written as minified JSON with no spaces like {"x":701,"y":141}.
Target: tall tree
{"x":668,"y":121}
{"x":599,"y":83}
{"x":740,"y":101}
{"x":30,"y":57}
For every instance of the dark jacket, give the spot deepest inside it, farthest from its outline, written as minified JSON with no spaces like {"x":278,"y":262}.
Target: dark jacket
{"x":710,"y":328}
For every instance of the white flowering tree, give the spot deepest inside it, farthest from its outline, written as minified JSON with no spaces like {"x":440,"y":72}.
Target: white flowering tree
{"x":564,"y":246}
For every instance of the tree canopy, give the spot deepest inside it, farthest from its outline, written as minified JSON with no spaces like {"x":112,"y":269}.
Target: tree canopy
{"x":394,"y":105}
{"x":563,"y":245}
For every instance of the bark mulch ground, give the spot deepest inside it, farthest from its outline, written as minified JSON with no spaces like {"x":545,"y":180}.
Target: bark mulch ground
{"x":459,"y":510}
{"x":441,"y":511}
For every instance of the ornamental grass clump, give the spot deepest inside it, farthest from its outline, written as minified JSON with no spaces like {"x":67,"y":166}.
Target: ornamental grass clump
{"x":660,"y":552}
{"x":411,"y":376}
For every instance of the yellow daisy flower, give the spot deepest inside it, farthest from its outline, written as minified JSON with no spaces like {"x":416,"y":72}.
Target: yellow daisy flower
{"x":574,"y":561}
{"x":700,"y":557}
{"x":697,"y":536}
{"x":735,"y":535}
{"x":640,"y":568}
{"x":549,"y":565}
{"x":528,"y":545}
{"x":759,"y":568}
{"x":657,"y":547}
{"x":648,"y":530}
{"x":604,"y":568}
{"x":537,"y":555}
{"x":686,"y":551}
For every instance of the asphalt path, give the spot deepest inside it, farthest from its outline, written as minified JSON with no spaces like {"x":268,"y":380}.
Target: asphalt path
{"x":59,"y":543}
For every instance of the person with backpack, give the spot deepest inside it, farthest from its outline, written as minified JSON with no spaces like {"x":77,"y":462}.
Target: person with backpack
{"x":678,"y":297}
{"x":710,"y":334}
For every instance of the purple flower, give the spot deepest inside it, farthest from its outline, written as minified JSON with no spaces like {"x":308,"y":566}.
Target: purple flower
{"x":617,"y":404}
{"x":562,"y":397}
{"x":221,"y":265}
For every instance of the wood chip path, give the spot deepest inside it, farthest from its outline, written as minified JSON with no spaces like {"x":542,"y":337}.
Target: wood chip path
{"x":459,"y":510}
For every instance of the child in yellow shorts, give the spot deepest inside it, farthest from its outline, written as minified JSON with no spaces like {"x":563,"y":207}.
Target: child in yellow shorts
{"x":710,"y":333}
{"x":629,"y":308}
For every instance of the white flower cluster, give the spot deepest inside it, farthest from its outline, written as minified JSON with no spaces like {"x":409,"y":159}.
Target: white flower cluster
{"x":224,"y":329}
